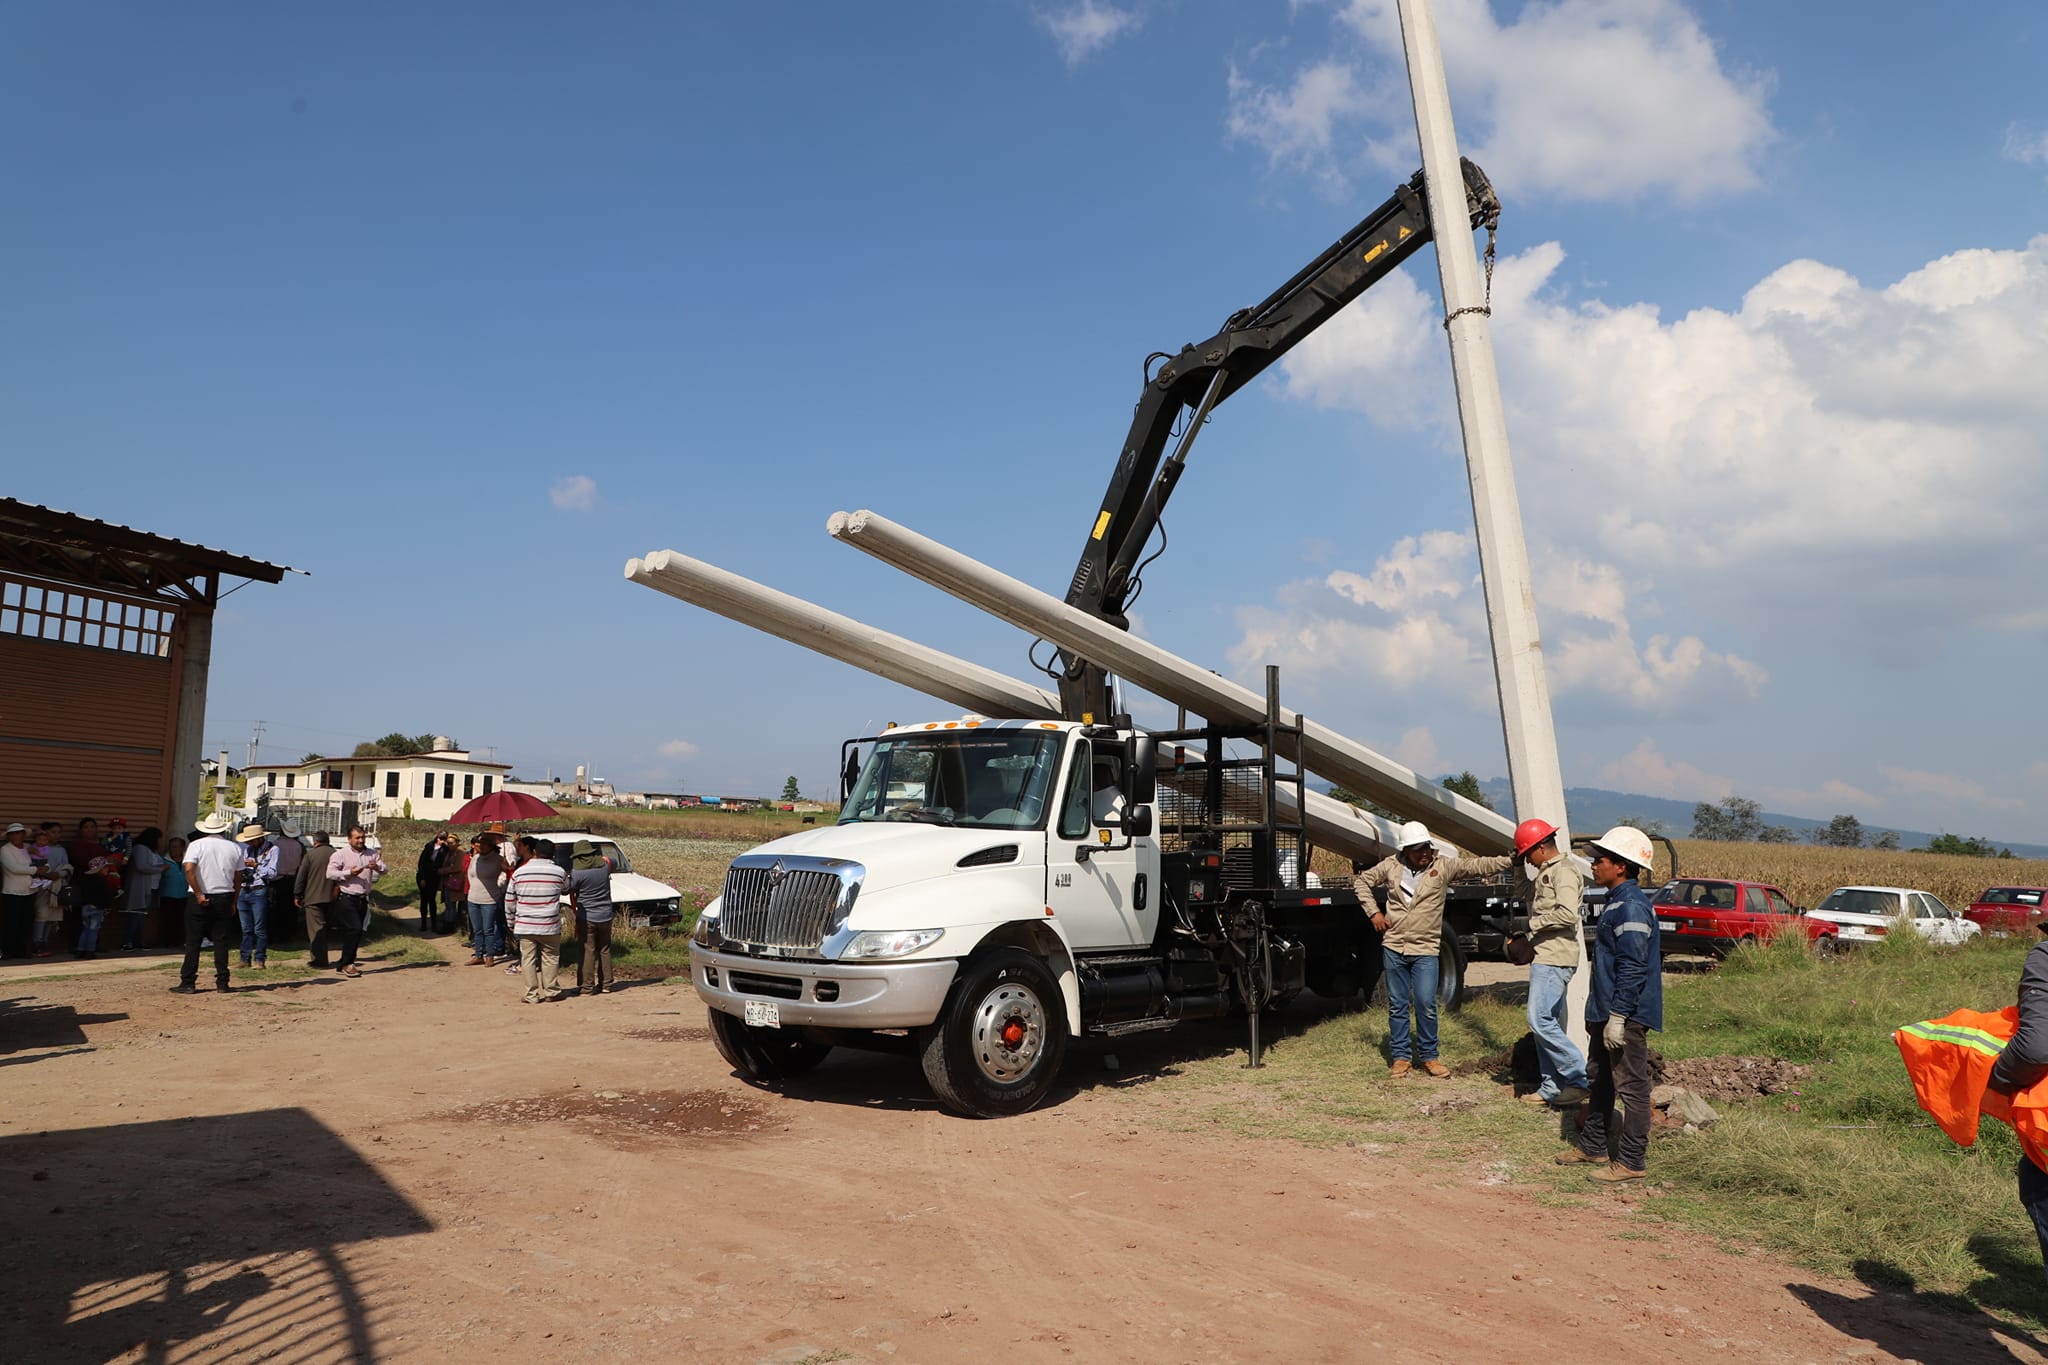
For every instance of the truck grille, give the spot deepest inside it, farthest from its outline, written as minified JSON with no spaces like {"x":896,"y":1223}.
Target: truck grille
{"x":777,"y":903}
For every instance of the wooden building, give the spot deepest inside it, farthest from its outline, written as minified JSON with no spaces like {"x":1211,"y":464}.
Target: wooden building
{"x":105,"y":637}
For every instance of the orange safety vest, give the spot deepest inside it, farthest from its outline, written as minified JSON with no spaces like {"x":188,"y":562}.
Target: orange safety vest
{"x":1949,"y":1061}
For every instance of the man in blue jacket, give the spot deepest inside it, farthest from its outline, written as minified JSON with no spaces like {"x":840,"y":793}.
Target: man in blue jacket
{"x":1625,"y":1001}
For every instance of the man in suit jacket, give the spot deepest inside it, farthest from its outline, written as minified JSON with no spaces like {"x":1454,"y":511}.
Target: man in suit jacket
{"x":313,"y":892}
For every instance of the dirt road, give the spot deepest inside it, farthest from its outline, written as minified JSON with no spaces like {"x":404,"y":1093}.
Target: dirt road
{"x":416,"y":1166}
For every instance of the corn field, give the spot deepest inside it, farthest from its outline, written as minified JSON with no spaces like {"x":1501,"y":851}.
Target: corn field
{"x":1806,"y":873}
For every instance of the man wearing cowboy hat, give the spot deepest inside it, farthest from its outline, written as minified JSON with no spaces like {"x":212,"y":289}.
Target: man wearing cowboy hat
{"x":1411,"y":926}
{"x":17,"y":892}
{"x":213,"y":868}
{"x":252,"y":900}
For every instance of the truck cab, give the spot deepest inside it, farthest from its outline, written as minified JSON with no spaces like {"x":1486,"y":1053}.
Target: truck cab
{"x":992,"y":889}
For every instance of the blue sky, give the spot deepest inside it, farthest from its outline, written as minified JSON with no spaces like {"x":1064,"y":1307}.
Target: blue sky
{"x":458,"y":307}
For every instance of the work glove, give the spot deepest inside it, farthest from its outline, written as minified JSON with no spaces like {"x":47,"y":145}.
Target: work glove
{"x":1615,"y":1035}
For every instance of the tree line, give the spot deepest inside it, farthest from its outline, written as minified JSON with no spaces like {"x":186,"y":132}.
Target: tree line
{"x":1740,"y":820}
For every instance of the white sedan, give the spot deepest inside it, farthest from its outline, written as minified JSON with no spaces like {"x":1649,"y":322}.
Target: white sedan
{"x":1869,"y":913}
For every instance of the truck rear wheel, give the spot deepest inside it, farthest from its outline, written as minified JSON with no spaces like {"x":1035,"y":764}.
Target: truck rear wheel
{"x":763,"y":1054}
{"x":1450,"y":972}
{"x":996,"y":1049}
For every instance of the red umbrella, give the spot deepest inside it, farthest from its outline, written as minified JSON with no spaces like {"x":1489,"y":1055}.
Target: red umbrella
{"x":501,"y":805}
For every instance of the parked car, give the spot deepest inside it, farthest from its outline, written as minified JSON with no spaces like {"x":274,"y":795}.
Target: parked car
{"x":1869,"y":913}
{"x":639,"y":902}
{"x":2003,"y":911}
{"x":1714,"y":916}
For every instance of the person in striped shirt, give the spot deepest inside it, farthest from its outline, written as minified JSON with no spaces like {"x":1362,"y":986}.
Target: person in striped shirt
{"x":533,"y":904}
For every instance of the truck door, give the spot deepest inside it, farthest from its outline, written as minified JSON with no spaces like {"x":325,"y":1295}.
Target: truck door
{"x":1110,"y":899}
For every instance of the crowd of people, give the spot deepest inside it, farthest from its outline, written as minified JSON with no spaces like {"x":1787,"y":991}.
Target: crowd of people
{"x":56,"y":890}
{"x":235,"y":892}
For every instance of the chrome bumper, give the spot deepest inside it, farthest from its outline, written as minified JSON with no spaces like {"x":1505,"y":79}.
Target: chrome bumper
{"x":868,"y":995}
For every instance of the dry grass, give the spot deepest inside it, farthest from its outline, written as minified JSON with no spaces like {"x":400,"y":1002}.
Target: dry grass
{"x":1806,"y":873}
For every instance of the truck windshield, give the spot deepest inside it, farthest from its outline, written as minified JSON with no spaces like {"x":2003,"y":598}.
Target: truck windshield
{"x":992,"y":779}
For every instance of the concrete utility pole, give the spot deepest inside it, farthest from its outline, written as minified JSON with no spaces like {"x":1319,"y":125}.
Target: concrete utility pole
{"x":1533,"y":769}
{"x":255,"y":739}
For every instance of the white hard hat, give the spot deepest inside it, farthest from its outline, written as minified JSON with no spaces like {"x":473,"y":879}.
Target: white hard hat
{"x":1414,"y":833}
{"x":1628,"y":843}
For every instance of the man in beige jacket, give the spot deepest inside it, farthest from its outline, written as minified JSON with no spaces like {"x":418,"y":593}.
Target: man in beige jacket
{"x":1557,"y":895}
{"x":1411,"y":931}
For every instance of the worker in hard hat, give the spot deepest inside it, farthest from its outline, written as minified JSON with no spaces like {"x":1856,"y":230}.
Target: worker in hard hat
{"x":1625,"y":1002}
{"x":1411,"y":925}
{"x":1556,"y":898}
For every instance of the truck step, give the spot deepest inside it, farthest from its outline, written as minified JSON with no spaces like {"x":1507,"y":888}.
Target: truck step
{"x":1119,"y":1029}
{"x":1121,"y":960}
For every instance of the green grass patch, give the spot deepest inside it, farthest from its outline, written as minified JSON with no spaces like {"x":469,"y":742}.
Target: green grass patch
{"x":1846,"y":1176}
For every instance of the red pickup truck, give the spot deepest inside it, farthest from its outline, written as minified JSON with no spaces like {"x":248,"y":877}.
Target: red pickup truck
{"x":2007,"y":910}
{"x":1714,"y":916}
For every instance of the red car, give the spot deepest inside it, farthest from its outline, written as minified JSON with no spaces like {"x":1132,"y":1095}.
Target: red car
{"x":2007,"y":910}
{"x":1714,"y":916}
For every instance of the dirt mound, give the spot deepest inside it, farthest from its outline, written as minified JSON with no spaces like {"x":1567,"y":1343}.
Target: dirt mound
{"x":629,"y":1113}
{"x":1734,"y":1078}
{"x":671,"y":1035}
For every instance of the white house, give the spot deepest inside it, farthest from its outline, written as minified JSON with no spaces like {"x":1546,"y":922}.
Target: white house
{"x":427,"y":786}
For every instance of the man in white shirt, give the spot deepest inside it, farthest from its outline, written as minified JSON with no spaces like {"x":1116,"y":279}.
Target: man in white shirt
{"x":213,"y":867}
{"x":17,"y":892}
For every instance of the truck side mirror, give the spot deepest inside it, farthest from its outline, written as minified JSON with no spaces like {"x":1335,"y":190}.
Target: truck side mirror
{"x":1137,"y":822}
{"x":1141,"y":774}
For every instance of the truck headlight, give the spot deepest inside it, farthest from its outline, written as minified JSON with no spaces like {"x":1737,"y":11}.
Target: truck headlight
{"x":874,"y":943}
{"x":705,"y":931}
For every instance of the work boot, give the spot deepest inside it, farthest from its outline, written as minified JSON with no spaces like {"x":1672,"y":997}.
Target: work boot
{"x":1571,"y":1097}
{"x":1437,"y":1070}
{"x":1535,"y":1100}
{"x":1614,"y":1173}
{"x":1399,"y":1070}
{"x":1576,"y":1155}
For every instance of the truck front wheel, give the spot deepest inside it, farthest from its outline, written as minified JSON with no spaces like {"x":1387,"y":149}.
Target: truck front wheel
{"x":763,"y":1054}
{"x":996,"y":1049}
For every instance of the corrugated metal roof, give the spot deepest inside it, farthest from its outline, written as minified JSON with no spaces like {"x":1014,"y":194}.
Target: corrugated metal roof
{"x":89,"y":535}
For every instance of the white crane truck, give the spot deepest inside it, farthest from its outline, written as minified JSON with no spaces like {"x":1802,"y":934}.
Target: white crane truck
{"x":995,"y":887}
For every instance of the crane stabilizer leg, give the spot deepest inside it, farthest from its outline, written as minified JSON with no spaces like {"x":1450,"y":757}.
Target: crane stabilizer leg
{"x":1324,"y":751}
{"x":1332,"y":824}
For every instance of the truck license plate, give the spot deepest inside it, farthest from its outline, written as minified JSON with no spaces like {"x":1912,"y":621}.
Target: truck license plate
{"x":763,"y":1014}
{"x":1669,"y":926}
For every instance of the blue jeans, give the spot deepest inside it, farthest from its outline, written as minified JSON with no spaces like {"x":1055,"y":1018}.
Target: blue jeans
{"x":2034,"y":1198}
{"x":252,"y":903}
{"x":483,"y":930}
{"x":1411,"y":981}
{"x":1560,"y":1062}
{"x":89,"y":917}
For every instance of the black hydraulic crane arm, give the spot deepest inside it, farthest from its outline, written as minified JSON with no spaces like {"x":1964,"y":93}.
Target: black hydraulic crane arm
{"x":1182,"y":392}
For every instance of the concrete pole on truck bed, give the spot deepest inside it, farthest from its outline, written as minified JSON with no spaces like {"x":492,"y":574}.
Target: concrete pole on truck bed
{"x":1331,"y":823}
{"x":1533,"y":768}
{"x":1324,"y":751}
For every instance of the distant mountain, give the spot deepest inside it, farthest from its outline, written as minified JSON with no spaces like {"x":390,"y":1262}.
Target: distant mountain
{"x":1593,"y":809}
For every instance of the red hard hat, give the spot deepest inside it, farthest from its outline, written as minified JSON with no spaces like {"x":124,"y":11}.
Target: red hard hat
{"x":1530,"y":833}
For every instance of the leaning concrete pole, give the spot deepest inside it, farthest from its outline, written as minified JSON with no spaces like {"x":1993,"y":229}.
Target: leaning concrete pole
{"x":1331,"y":823}
{"x":1533,"y":768}
{"x":841,"y":637}
{"x":1323,"y":750}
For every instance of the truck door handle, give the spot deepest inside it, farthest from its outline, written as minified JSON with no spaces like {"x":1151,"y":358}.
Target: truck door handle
{"x":1138,"y":892}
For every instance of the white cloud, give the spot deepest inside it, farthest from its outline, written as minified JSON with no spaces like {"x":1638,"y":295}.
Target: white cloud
{"x":1582,"y":99}
{"x":1297,"y":126}
{"x":676,"y":748}
{"x":1950,"y":789}
{"x":1850,"y":455}
{"x":577,"y":493}
{"x":1418,"y":620}
{"x":1647,"y":772}
{"x":2028,"y":146}
{"x":1417,"y":749}
{"x":1082,"y":30}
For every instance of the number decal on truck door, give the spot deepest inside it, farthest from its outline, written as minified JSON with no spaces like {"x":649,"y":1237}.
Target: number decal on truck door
{"x":1062,"y":879}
